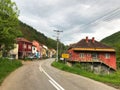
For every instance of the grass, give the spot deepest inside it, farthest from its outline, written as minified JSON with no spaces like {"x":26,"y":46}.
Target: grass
{"x":112,"y":79}
{"x":7,"y":66}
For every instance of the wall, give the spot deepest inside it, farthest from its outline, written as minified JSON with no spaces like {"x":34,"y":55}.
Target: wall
{"x":25,"y":48}
{"x":75,"y":56}
{"x":14,"y":52}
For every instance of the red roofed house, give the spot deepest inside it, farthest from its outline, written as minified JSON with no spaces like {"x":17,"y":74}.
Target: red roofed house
{"x":25,"y":47}
{"x":102,"y":58}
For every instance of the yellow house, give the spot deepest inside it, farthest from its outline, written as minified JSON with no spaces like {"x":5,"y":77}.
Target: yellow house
{"x":44,"y":51}
{"x":51,"y":53}
{"x":14,"y":52}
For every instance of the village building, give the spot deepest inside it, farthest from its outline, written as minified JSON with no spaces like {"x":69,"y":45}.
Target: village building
{"x":14,"y":52}
{"x":37,"y":49}
{"x":51,"y":53}
{"x":44,"y":51}
{"x":34,"y":49}
{"x":24,"y":48}
{"x":99,"y":57}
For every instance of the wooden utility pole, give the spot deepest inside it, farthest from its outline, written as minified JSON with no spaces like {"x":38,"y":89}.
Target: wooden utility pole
{"x":58,"y":33}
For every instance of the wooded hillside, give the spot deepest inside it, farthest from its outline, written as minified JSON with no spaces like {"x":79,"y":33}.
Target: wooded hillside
{"x":112,"y":40}
{"x":31,"y":34}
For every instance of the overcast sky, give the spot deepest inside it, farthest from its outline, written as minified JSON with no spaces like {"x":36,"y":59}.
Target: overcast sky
{"x":76,"y":18}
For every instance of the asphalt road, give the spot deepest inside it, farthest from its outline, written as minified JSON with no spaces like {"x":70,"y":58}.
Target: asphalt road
{"x":40,"y":75}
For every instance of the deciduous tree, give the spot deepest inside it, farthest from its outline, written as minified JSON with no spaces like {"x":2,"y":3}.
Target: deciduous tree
{"x":8,"y":23}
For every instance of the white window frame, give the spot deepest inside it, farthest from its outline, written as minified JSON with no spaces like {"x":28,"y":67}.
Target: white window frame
{"x":82,"y":55}
{"x":24,"y":46}
{"x":107,"y":55}
{"x":29,"y":46}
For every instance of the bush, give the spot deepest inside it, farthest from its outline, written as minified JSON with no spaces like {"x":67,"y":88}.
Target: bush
{"x":77,"y":65}
{"x":7,"y":66}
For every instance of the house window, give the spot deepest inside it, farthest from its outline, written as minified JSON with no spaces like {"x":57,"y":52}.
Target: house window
{"x":107,"y":56}
{"x":29,"y":46}
{"x":34,"y":48}
{"x":94,"y":55}
{"x":24,"y":46}
{"x":82,"y":55}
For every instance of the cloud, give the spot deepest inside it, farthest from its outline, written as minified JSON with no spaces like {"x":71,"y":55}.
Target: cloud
{"x":77,"y":18}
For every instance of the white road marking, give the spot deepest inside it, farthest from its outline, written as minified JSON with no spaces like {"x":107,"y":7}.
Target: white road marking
{"x":52,"y":81}
{"x":54,"y":85}
{"x":40,"y":68}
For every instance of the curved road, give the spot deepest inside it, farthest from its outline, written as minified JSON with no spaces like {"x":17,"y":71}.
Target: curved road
{"x":40,"y":75}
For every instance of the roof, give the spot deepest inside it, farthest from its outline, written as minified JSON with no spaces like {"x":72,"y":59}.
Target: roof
{"x":23,"y":40}
{"x":90,"y":46}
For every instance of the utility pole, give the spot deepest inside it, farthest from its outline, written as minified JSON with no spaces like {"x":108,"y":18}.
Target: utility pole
{"x":58,"y":33}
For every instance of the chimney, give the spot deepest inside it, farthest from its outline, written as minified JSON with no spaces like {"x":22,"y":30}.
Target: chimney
{"x":93,"y":39}
{"x":86,"y":39}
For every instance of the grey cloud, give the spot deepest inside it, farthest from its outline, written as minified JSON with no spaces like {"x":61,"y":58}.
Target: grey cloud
{"x":71,"y":16}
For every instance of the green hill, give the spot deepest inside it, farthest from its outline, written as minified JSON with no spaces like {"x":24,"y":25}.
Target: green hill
{"x":112,"y":40}
{"x":31,"y":34}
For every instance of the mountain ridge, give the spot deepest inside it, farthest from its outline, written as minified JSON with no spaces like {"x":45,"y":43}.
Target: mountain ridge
{"x":31,"y":34}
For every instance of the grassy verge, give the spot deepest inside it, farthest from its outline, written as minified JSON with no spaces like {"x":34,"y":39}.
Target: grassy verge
{"x":112,"y":79}
{"x":7,"y":66}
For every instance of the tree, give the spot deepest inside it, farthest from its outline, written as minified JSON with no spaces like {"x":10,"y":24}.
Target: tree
{"x":8,"y":23}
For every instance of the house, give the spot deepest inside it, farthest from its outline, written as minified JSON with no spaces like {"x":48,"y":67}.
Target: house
{"x":100,"y":57}
{"x":51,"y":53}
{"x":44,"y":51}
{"x":37,"y":49}
{"x":34,"y":49}
{"x":14,"y":52}
{"x":24,"y":47}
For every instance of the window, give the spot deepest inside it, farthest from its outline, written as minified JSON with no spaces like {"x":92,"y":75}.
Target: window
{"x":34,"y":48}
{"x":24,"y":46}
{"x":94,"y":55}
{"x":29,"y":46}
{"x":107,"y":55}
{"x":82,"y":55}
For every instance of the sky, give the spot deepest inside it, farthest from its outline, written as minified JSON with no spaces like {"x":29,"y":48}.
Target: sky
{"x":76,"y":18}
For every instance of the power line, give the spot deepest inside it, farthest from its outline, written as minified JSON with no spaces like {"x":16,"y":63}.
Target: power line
{"x":107,"y":15}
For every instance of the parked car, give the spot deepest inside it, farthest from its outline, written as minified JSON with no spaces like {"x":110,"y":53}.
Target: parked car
{"x":31,"y":57}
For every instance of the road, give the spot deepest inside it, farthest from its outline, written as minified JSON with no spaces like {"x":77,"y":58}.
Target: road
{"x":40,"y":75}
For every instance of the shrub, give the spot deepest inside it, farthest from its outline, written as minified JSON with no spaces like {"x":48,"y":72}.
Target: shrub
{"x":7,"y":66}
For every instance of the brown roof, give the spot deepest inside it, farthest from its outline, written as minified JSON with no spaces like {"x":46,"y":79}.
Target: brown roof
{"x":89,"y":44}
{"x":23,"y":40}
